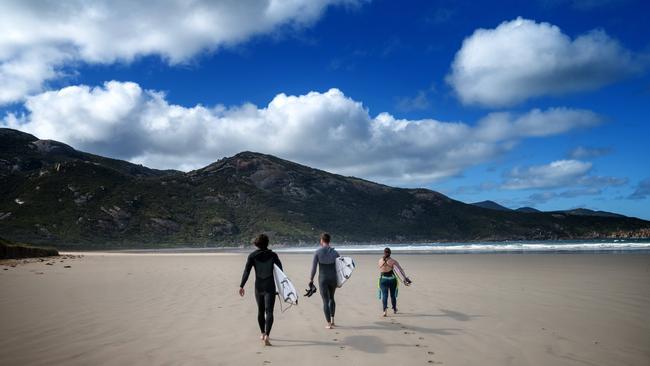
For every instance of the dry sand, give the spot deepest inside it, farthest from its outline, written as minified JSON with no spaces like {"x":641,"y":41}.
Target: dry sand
{"x":570,"y":309}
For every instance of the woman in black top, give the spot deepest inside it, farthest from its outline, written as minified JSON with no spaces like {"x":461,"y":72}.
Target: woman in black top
{"x":263,"y":260}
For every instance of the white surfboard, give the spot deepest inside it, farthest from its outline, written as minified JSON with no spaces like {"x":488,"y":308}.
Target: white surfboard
{"x":344,"y":269}
{"x":286,"y":290}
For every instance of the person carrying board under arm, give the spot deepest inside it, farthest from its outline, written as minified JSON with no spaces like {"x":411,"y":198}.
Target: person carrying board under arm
{"x":262,"y":260}
{"x":388,"y":280}
{"x":325,"y":260}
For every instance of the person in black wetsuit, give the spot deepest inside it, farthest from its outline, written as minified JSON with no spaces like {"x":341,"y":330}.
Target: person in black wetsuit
{"x":262,"y":260}
{"x":325,"y":259}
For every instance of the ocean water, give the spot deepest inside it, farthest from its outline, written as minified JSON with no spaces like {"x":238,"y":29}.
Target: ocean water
{"x":565,"y":246}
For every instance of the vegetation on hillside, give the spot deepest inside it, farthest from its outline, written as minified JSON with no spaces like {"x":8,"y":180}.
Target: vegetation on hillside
{"x":52,"y":193}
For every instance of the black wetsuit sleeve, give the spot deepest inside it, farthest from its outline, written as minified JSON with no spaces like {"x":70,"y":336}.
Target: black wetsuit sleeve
{"x":314,"y":263}
{"x":247,"y":271}
{"x":276,"y":261}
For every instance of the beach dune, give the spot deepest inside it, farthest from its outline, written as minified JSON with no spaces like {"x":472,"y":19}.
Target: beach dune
{"x":548,"y":309}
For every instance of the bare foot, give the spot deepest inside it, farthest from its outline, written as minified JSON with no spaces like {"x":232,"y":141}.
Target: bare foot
{"x":384,"y":314}
{"x":329,"y":326}
{"x":266,"y":341}
{"x":262,"y":336}
{"x":395,"y":311}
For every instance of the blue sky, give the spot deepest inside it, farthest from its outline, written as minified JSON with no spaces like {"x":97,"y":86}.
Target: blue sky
{"x":540,"y":103}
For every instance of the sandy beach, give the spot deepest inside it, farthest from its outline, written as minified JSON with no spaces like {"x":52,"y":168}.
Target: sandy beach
{"x":123,"y":309}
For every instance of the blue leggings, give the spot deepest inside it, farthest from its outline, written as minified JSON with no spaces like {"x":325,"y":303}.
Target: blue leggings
{"x":388,"y":285}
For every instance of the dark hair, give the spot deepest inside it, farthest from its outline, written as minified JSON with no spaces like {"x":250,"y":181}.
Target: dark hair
{"x":387,"y":252}
{"x":262,"y":241}
{"x":325,"y":237}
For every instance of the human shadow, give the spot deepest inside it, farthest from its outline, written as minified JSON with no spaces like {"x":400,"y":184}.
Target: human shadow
{"x":444,"y":313}
{"x":363,"y":343}
{"x":302,"y":343}
{"x":397,"y":327}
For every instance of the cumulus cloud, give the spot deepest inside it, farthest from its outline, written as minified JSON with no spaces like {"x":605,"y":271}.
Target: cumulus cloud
{"x":642,"y":190}
{"x":522,"y":59}
{"x":325,"y":130}
{"x":38,"y":38}
{"x":560,"y":173}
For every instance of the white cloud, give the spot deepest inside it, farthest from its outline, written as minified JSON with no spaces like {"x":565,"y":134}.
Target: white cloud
{"x":38,"y":38}
{"x":560,"y":173}
{"x":582,"y":152}
{"x":543,"y":197}
{"x":325,"y":130}
{"x":417,"y":103}
{"x":503,"y":125}
{"x":642,"y":190}
{"x":522,"y":59}
{"x":556,"y":174}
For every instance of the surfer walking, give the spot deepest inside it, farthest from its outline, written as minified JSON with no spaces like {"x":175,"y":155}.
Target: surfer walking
{"x":388,"y":280}
{"x":262,"y":260}
{"x":325,"y":260}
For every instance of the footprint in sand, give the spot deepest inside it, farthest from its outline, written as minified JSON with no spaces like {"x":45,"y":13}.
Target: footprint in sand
{"x":420,"y":338}
{"x":335,"y":339}
{"x":267,"y":362}
{"x":342,"y":347}
{"x":431,"y":353}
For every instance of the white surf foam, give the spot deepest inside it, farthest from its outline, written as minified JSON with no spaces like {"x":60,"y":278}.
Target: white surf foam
{"x":496,"y":247}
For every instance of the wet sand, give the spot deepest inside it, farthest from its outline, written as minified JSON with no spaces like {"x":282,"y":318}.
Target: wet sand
{"x":122,"y":309}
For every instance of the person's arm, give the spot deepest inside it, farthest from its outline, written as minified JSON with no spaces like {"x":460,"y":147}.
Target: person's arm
{"x":247,"y":272}
{"x":399,"y":268}
{"x":314,"y":263}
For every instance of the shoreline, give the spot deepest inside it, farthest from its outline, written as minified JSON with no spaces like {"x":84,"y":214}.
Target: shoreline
{"x":510,"y":247}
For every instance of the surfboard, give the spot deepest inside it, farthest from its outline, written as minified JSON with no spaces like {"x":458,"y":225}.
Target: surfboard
{"x":285,"y":289}
{"x":344,"y":268}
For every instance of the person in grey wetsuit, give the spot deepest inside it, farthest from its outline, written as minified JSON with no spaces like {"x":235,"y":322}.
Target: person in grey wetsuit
{"x":325,"y":260}
{"x":262,"y":260}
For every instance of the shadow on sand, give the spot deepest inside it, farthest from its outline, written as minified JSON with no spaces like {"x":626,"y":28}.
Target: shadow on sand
{"x":396,"y":327}
{"x":363,"y":343}
{"x":375,"y":344}
{"x":444,"y":313}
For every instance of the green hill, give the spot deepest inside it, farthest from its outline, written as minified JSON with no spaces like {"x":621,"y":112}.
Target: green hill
{"x":51,"y":193}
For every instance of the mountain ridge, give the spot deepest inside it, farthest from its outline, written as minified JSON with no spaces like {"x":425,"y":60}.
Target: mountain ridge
{"x":64,"y":197}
